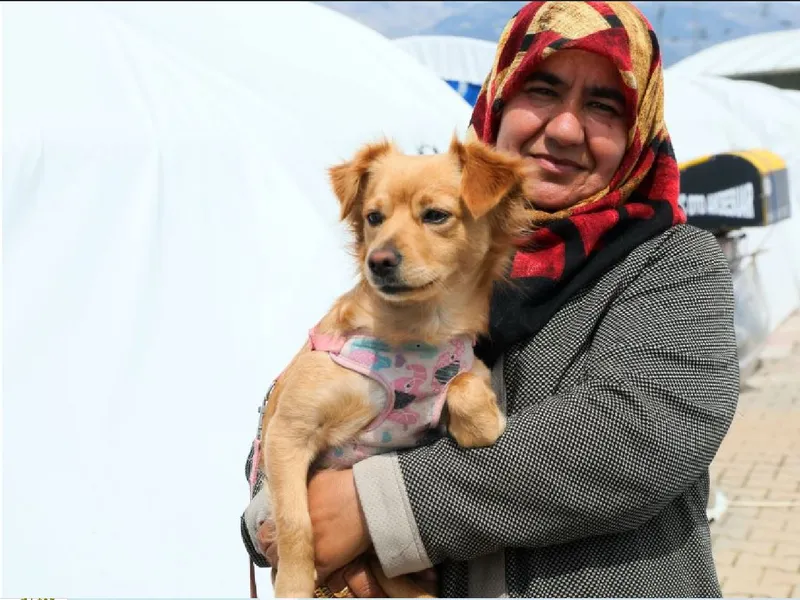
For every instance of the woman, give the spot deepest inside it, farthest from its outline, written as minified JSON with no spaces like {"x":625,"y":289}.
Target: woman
{"x":614,"y":355}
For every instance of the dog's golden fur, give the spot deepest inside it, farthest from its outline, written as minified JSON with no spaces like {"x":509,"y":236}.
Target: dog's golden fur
{"x":452,"y":217}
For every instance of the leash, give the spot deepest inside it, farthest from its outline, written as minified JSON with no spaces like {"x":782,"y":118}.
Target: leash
{"x":253,"y":590}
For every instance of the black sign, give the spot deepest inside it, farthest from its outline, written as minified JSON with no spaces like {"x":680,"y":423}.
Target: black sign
{"x":729,"y":191}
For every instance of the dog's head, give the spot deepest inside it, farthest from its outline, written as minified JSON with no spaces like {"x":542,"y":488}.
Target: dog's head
{"x":432,"y":225}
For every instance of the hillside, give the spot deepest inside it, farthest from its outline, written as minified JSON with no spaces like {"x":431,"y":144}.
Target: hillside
{"x":683,"y":27}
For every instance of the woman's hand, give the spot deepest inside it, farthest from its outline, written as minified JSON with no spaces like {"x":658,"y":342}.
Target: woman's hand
{"x":357,"y":577}
{"x":340,"y":529}
{"x":358,"y":580}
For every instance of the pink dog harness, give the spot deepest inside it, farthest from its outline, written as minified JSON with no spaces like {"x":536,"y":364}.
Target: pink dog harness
{"x":415,"y":377}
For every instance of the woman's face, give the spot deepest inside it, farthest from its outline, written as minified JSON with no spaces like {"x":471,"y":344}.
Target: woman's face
{"x":568,"y":121}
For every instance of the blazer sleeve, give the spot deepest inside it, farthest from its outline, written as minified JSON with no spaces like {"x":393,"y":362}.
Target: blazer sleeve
{"x":655,"y":399}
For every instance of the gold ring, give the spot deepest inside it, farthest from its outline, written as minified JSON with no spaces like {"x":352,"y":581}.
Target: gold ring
{"x":323,"y":591}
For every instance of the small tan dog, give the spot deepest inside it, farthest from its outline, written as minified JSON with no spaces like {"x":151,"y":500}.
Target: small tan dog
{"x":432,"y":234}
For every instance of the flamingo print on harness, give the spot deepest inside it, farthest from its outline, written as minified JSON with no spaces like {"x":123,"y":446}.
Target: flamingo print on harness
{"x":424,"y":351}
{"x":416,"y":375}
{"x":447,"y":366}
{"x":406,"y":390}
{"x":371,"y":353}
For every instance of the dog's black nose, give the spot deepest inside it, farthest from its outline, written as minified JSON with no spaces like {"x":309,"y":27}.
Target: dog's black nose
{"x":383,"y":262}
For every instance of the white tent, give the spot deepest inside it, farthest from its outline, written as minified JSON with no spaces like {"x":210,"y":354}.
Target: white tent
{"x":761,"y":53}
{"x":462,"y":62}
{"x":708,"y":115}
{"x":169,"y":238}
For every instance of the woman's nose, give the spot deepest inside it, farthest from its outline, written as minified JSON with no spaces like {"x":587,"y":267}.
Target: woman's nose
{"x":565,"y":128}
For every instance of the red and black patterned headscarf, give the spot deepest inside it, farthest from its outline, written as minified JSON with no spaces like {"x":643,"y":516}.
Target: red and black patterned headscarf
{"x":574,"y":247}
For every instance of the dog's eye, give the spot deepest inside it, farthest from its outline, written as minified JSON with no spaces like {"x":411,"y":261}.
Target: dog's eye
{"x":374,"y":218}
{"x":437,"y":217}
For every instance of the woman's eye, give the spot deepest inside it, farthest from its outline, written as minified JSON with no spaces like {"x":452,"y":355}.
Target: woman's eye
{"x":374,"y":218}
{"x":605,"y":108}
{"x":541,"y":91}
{"x":437,"y":217}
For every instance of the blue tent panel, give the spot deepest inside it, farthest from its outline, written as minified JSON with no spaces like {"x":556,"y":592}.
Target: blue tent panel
{"x":468,"y":91}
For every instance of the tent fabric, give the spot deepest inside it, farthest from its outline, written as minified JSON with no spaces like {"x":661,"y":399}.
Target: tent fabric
{"x":461,"y":61}
{"x":468,"y":91}
{"x":709,"y":115}
{"x":761,"y":53}
{"x":169,"y":238}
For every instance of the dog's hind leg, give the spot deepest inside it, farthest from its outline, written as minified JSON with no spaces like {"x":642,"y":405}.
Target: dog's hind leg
{"x":320,"y":405}
{"x":474,"y":417}
{"x":288,"y":458}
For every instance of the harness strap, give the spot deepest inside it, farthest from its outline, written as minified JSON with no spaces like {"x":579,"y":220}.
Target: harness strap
{"x":255,"y":465}
{"x":326,"y":343}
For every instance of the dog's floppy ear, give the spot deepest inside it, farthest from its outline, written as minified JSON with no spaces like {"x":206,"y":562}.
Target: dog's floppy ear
{"x":487,"y":176}
{"x":349,"y":178}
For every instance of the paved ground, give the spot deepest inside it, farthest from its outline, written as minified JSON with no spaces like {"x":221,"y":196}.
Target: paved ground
{"x":757,"y":539}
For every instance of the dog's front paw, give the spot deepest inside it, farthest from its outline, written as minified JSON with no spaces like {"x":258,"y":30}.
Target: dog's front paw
{"x":478,"y":432}
{"x":475,"y":420}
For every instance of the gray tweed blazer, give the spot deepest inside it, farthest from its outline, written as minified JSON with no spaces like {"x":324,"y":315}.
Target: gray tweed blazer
{"x":599,"y":485}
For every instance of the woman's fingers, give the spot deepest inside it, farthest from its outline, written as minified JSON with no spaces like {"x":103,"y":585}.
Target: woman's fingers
{"x":427,"y":580}
{"x":357,"y":578}
{"x":266,"y":542}
{"x":361,"y":580}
